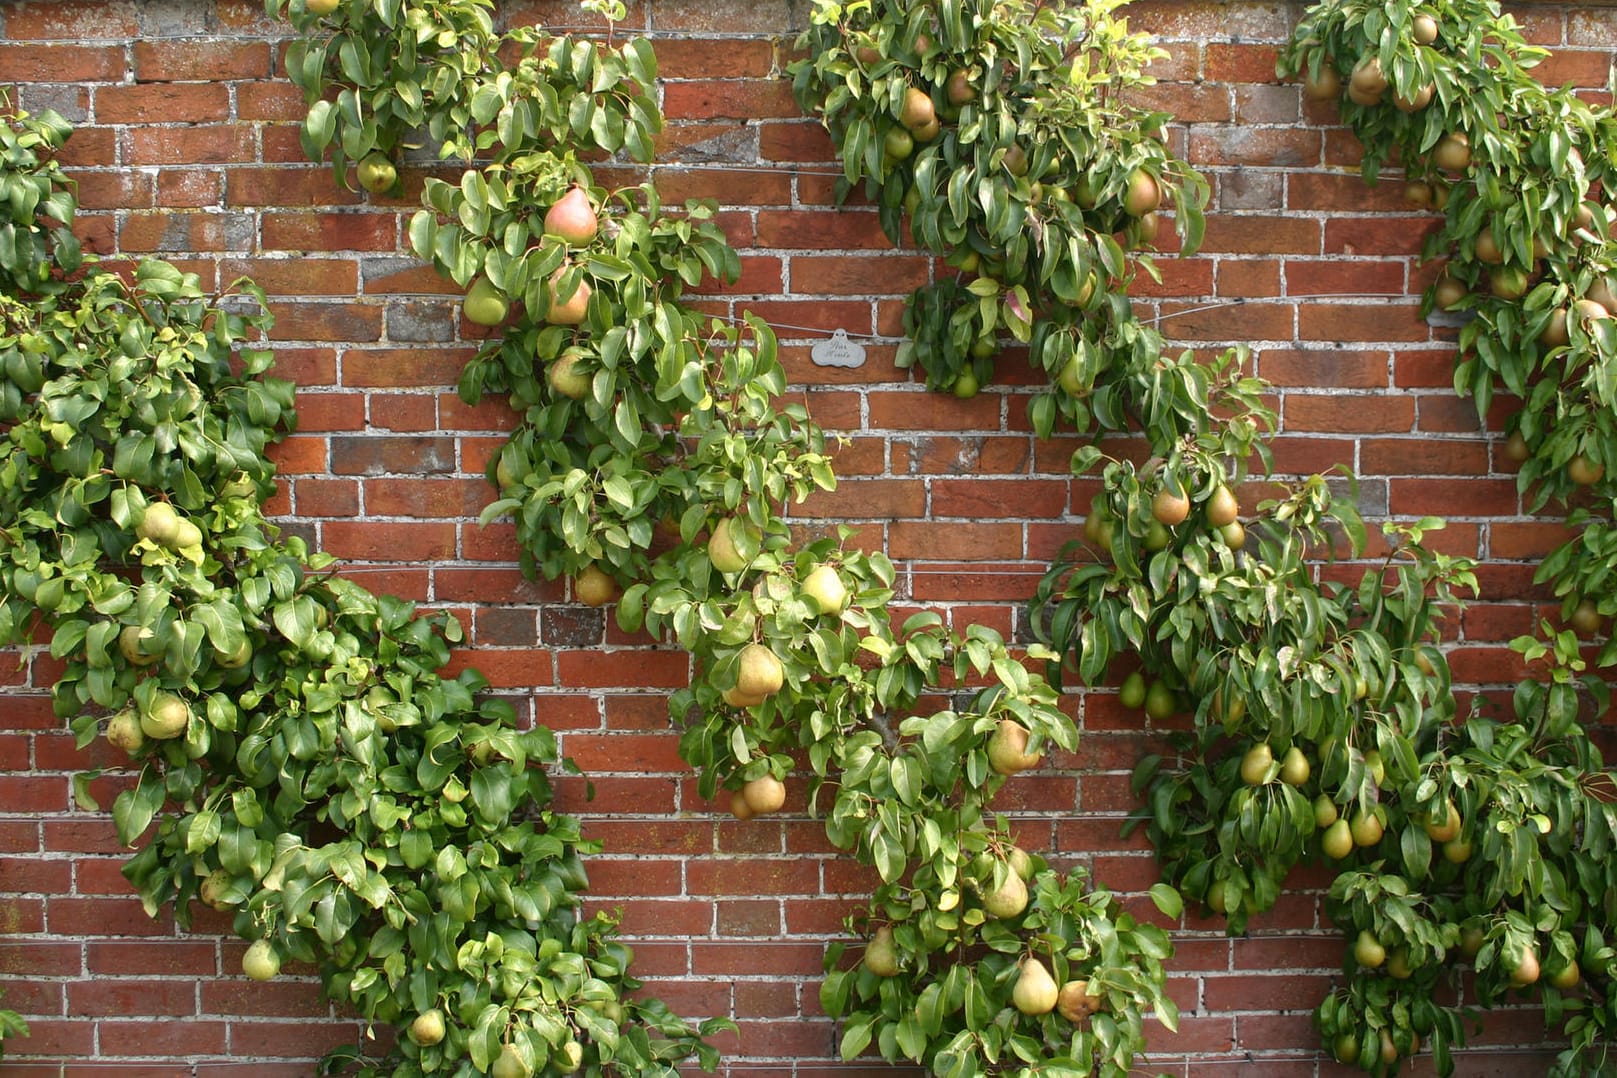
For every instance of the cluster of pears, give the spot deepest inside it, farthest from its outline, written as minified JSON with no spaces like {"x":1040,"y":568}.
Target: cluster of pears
{"x":571,"y":219}
{"x":1036,"y":993}
{"x":760,"y":674}
{"x":162,"y":525}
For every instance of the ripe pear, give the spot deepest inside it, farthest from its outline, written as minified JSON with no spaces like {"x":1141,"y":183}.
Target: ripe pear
{"x":917,"y":111}
{"x":739,"y":807}
{"x":1256,"y":764}
{"x":124,"y":732}
{"x":1567,"y":977}
{"x":428,"y":1028}
{"x":571,"y":311}
{"x":485,"y":304}
{"x":736,"y":698}
{"x":159,"y":523}
{"x":593,"y":587}
{"x":1075,"y":1003}
{"x":1007,"y":749}
{"x":1368,"y":951}
{"x":1449,"y":826}
{"x":168,"y":717}
{"x":1008,"y":900}
{"x":764,"y":794}
{"x":721,"y":548}
{"x":1222,"y":508}
{"x":1035,"y":992}
{"x":1170,"y":506}
{"x":1527,"y":969}
{"x":572,"y":219}
{"x":1367,"y":829}
{"x":321,"y":7}
{"x":959,"y":89}
{"x":132,"y":644}
{"x":1452,"y":152}
{"x":881,"y":955}
{"x":186,"y":535}
{"x":510,"y":1064}
{"x":566,"y":379}
{"x":1144,"y":194}
{"x":1338,"y":839}
{"x":759,"y":672}
{"x":1294,"y":767}
{"x":1325,"y":812}
{"x":1020,"y":862}
{"x":825,"y":587}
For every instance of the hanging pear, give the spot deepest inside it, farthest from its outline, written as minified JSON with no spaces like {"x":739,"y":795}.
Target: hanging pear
{"x":1035,"y":992}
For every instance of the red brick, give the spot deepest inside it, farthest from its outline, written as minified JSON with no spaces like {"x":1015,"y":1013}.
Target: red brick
{"x":191,"y":103}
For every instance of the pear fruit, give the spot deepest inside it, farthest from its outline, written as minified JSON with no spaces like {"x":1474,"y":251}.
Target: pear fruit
{"x":1527,"y":969}
{"x":1452,"y":152}
{"x":566,"y":379}
{"x":485,"y":304}
{"x":237,"y":659}
{"x":1035,"y":992}
{"x":132,"y":644}
{"x":959,"y":89}
{"x":736,"y":698}
{"x":213,"y":887}
{"x":376,"y":172}
{"x":160,"y":523}
{"x":168,"y":717}
{"x":261,"y":963}
{"x":428,"y":1028}
{"x":321,"y":7}
{"x":572,"y":219}
{"x":739,"y":807}
{"x":593,"y":587}
{"x":764,"y":794}
{"x":1170,"y":506}
{"x":1567,"y":977}
{"x":571,"y":311}
{"x":1143,"y":196}
{"x":881,"y":955}
{"x":1338,"y":840}
{"x":124,"y":732}
{"x":1075,"y":1003}
{"x":1020,"y":862}
{"x":1368,"y":951}
{"x":1449,"y":826}
{"x":1367,"y":829}
{"x":759,"y":672}
{"x":825,"y":587}
{"x":1222,"y":508}
{"x":1325,"y":811}
{"x":1294,"y":767}
{"x":1008,"y":900}
{"x":1007,"y":749}
{"x":721,"y":548}
{"x":1256,"y":764}
{"x":569,"y":1057}
{"x":916,"y":111}
{"x":510,"y":1064}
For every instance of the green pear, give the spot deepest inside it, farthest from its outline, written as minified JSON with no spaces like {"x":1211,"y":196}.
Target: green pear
{"x":881,"y":955}
{"x":1007,"y":749}
{"x":1036,"y":991}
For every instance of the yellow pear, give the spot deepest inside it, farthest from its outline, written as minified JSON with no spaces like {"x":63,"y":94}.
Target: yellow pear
{"x":825,"y":587}
{"x":759,"y":672}
{"x":736,"y":698}
{"x":1338,"y":840}
{"x":1368,"y":951}
{"x":721,"y":548}
{"x":428,"y":1028}
{"x":1526,"y":971}
{"x":1007,"y":749}
{"x":1367,"y":829}
{"x":134,"y":642}
{"x":1035,"y":991}
{"x":124,"y":732}
{"x":1008,"y":900}
{"x":593,"y":587}
{"x":1256,"y":764}
{"x":168,"y":717}
{"x":510,"y":1064}
{"x":1222,"y":508}
{"x":160,"y":523}
{"x":764,"y":794}
{"x":1294,"y":767}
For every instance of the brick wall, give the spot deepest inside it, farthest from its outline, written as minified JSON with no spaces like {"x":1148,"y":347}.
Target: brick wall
{"x":187,"y":148}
